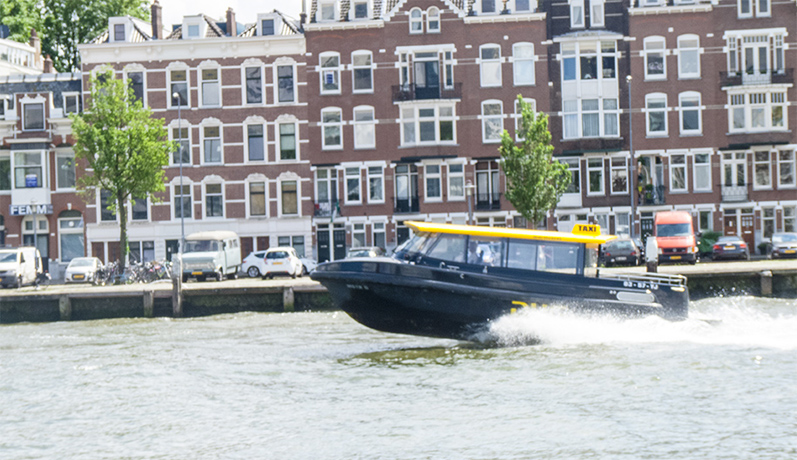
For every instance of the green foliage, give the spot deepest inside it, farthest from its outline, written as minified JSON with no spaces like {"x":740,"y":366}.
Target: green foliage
{"x":123,"y":147}
{"x":535,"y":180}
{"x":706,"y":242}
{"x":64,"y":24}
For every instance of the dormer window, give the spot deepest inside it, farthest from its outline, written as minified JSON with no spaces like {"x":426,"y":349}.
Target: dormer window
{"x":193,"y":30}
{"x":118,"y":32}
{"x":268,"y":24}
{"x":327,"y":10}
{"x":193,"y":27}
{"x":488,"y":7}
{"x":267,"y":27}
{"x":360,"y":9}
{"x":33,"y":117}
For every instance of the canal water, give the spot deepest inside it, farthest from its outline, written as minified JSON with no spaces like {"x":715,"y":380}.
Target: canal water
{"x":320,"y":386}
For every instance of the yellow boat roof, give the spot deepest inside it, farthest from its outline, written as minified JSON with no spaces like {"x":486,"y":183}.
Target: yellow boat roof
{"x":582,"y":233}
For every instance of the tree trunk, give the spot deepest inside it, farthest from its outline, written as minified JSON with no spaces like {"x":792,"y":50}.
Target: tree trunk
{"x":123,"y":247}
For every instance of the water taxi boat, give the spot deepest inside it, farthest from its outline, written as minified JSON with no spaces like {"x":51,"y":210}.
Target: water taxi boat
{"x":451,"y":281}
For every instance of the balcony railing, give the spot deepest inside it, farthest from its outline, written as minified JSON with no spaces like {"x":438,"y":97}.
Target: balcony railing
{"x":488,"y":201}
{"x":411,"y":92}
{"x":734,"y":193}
{"x":771,"y":77}
{"x":407,"y":205}
{"x":326,"y":208}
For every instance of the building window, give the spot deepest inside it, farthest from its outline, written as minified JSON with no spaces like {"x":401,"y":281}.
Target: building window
{"x":433,"y":20}
{"x":212,"y":144}
{"x":656,"y":109}
{"x":596,"y":13}
{"x":589,"y":60}
{"x":376,"y":184}
{"x":701,"y":172}
{"x":786,"y":169}
{"x":289,"y":197}
{"x":287,"y":132}
{"x":327,"y":10}
{"x":330,"y":73}
{"x":456,"y":181}
{"x":762,"y":175}
{"x":427,"y":125}
{"x":28,"y":170}
{"x":257,"y":199}
{"x":139,"y":209}
{"x":182,"y":201}
{"x":360,"y":9}
{"x":759,"y":111}
{"x":65,"y":174}
{"x":106,"y":200}
{"x":332,"y":126}
{"x":71,"y":103}
{"x":576,"y":13}
{"x":704,"y":221}
{"x":433,"y":180}
{"x":362,"y":72}
{"x":678,"y":178}
{"x":193,"y":31}
{"x":214,"y":201}
{"x":254,"y":85}
{"x":358,"y":235}
{"x":655,"y":62}
{"x":285,"y":92}
{"x":71,"y":241}
{"x":595,"y":176}
{"x":746,"y":8}
{"x":734,"y":169}
{"x":488,"y":6}
{"x":619,"y":175}
{"x":353,"y":180}
{"x":492,"y":121}
{"x":523,"y":63}
{"x":255,"y":142}
{"x":118,"y":32}
{"x":296,"y":242}
{"x":142,"y":251}
{"x":598,"y":118}
{"x":136,"y":82}
{"x":326,"y":191}
{"x":179,"y":84}
{"x":575,"y":175}
{"x":364,"y":128}
{"x":768,"y":222}
{"x":180,"y":135}
{"x":211,"y":88}
{"x":490,"y":65}
{"x":416,"y":21}
{"x":690,"y":112}
{"x":267,"y":27}
{"x":688,"y":56}
{"x":33,"y":117}
{"x":789,"y":219}
{"x":378,"y":233}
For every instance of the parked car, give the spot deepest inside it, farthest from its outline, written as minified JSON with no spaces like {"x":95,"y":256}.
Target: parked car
{"x":253,"y":264}
{"x":621,"y":251}
{"x":281,"y":261}
{"x":730,"y":247}
{"x":372,"y":251}
{"x":783,"y":245}
{"x":83,"y":270}
{"x":308,"y":265}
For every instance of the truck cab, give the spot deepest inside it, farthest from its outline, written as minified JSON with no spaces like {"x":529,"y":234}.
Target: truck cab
{"x":675,"y":237}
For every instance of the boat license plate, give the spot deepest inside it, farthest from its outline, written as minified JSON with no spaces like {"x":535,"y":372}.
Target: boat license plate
{"x":675,"y":258}
{"x":78,"y":277}
{"x":196,"y":273}
{"x":730,"y":247}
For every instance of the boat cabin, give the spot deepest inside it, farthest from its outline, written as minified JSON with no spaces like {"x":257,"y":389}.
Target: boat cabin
{"x":470,"y":248}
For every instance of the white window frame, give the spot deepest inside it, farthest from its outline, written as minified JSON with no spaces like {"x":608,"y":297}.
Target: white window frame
{"x":767,"y":185}
{"x":352,"y":8}
{"x":518,"y":117}
{"x":368,"y":125}
{"x":209,"y":88}
{"x":521,"y":58}
{"x":739,"y":8}
{"x":793,"y":164}
{"x":416,"y":120}
{"x":190,"y":22}
{"x":244,"y":79}
{"x":256,"y":179}
{"x":280,"y":182}
{"x":577,"y":6}
{"x":597,"y":6}
{"x":681,"y":166}
{"x":492,"y":119}
{"x":278,"y":132}
{"x":512,"y":6}
{"x":375,"y":173}
{"x":76,"y":95}
{"x":432,"y":176}
{"x":415,"y":17}
{"x":479,"y":6}
{"x":759,"y":11}
{"x":655,"y":45}
{"x":175,"y":185}
{"x":178,"y":67}
{"x":202,"y":139}
{"x":746,"y":100}
{"x":649,"y":110}
{"x":331,"y":126}
{"x":206,"y":195}
{"x":39,"y":101}
{"x":354,"y":174}
{"x":688,"y":51}
{"x":573,"y":110}
{"x":701,"y":169}
{"x":433,"y":20}
{"x":359,"y":67}
{"x":264,"y":135}
{"x":322,"y":5}
{"x":618,"y":170}
{"x":325,"y":70}
{"x":602,"y":172}
{"x":60,"y":156}
{"x":284,"y":62}
{"x":458,"y":175}
{"x":490,"y":66}
{"x":687,"y":96}
{"x":175,"y":125}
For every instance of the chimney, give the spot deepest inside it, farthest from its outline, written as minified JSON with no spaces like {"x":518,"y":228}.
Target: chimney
{"x":232,"y":29}
{"x":157,"y":20}
{"x":48,"y":65}
{"x":35,"y":43}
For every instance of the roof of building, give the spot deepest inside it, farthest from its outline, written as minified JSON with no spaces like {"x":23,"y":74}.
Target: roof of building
{"x":289,"y":27}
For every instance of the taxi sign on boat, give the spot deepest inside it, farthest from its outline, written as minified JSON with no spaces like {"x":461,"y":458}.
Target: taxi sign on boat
{"x":582,"y":233}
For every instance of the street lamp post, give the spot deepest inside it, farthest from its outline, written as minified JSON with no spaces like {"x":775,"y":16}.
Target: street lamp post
{"x":469,"y":192}
{"x":176,"y":95}
{"x":631,"y":181}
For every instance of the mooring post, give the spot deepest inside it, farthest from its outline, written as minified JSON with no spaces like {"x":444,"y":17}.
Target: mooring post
{"x":149,"y":302}
{"x":65,"y":307}
{"x":766,"y":283}
{"x":287,"y":299}
{"x":177,"y":296}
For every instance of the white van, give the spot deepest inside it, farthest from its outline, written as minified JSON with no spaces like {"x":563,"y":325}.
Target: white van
{"x":20,"y":266}
{"x":213,"y":254}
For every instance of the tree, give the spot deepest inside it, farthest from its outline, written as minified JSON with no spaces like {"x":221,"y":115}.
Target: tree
{"x":535,"y":180}
{"x":123,"y":147}
{"x":64,"y":24}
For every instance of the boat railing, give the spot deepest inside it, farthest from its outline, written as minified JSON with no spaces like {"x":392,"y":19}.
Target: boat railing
{"x":658,"y":278}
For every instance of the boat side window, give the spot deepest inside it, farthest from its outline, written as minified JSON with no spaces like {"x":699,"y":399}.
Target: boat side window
{"x":486,"y":251}
{"x":558,"y":258}
{"x":448,"y":247}
{"x":522,"y":255}
{"x":414,"y":245}
{"x":591,"y":261}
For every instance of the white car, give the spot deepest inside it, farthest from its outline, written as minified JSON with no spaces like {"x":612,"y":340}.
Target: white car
{"x":253,"y":264}
{"x":308,"y":265}
{"x":83,"y":270}
{"x":281,"y":261}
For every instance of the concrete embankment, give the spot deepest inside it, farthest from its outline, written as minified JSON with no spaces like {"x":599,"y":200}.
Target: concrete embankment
{"x":81,"y":302}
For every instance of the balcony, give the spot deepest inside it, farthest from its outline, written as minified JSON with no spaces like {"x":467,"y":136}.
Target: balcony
{"x":734,"y":193}
{"x":411,"y":92}
{"x":326,"y":208}
{"x":488,"y":202}
{"x":407,"y":205}
{"x":749,"y":79}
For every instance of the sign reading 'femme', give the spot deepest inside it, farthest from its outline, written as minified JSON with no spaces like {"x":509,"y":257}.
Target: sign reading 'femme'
{"x":28,"y":209}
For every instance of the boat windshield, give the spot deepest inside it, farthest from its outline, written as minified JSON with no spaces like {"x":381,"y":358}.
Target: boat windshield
{"x":413,"y":245}
{"x":201,"y":246}
{"x":545,"y":256}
